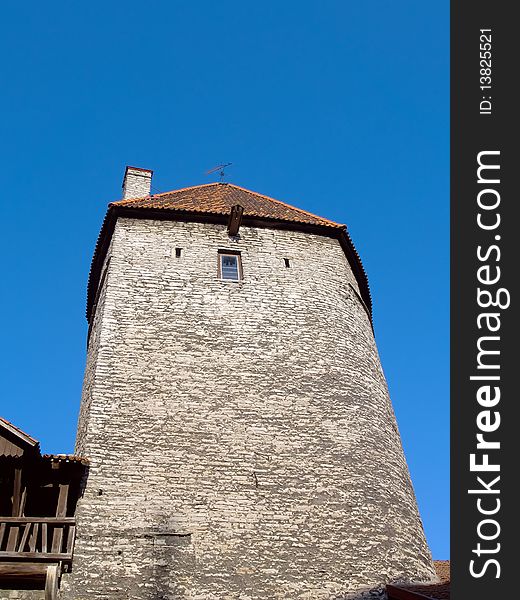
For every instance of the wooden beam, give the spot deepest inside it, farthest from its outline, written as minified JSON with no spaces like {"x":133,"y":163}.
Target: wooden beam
{"x":57,"y":540}
{"x":43,"y":556}
{"x":23,"y":570}
{"x":70,"y":539}
{"x":44,"y":537}
{"x":25,"y":535}
{"x":235,"y":219}
{"x":61,"y":509}
{"x":56,"y":520}
{"x":23,"y":500}
{"x":34,"y":537}
{"x":17,"y":490}
{"x":12,"y":538}
{"x":51,"y":582}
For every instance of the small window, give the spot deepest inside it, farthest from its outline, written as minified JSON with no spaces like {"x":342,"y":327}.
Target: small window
{"x":287,"y":263}
{"x":178,"y":252}
{"x":229,"y":266}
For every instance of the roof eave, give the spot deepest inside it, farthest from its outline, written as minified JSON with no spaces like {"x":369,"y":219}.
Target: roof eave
{"x":66,"y":458}
{"x":18,"y":433}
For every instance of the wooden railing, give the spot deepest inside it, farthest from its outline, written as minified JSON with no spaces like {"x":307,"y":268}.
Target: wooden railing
{"x":37,"y":538}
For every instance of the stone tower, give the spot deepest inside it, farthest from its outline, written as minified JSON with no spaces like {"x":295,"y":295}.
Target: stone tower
{"x":241,"y":439}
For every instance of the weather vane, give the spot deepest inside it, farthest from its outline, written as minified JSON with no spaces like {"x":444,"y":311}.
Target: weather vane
{"x":219,"y":168}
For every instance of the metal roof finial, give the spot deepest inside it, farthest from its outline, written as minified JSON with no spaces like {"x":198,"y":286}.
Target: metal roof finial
{"x":219,"y":168}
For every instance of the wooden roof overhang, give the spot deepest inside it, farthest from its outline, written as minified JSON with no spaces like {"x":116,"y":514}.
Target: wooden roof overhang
{"x":115,"y":211}
{"x":14,"y":442}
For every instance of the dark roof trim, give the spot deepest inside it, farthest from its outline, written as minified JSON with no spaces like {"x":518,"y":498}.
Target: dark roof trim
{"x":18,"y":433}
{"x":115,"y":211}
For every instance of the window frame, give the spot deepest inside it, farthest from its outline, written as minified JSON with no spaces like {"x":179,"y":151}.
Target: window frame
{"x":238,"y":257}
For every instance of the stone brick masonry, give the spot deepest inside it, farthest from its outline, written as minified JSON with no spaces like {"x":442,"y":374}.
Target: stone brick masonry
{"x":241,"y":437}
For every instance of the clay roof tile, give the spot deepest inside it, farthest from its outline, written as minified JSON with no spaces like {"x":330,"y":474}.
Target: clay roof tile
{"x":219,"y":198}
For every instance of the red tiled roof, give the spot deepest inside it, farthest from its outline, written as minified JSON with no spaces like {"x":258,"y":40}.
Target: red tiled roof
{"x":213,"y":202}
{"x":219,"y":198}
{"x":424,"y":591}
{"x":73,"y":458}
{"x":442,"y":568}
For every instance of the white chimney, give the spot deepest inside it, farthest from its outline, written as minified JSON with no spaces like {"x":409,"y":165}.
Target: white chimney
{"x":137,"y":182}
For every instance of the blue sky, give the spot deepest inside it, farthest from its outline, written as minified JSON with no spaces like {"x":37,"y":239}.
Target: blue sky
{"x":338,"y":107}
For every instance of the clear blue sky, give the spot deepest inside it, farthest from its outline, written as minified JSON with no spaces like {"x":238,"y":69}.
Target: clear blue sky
{"x":339,"y":107}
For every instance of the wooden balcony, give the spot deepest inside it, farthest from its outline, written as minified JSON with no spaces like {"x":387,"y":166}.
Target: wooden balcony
{"x":37,"y":539}
{"x":35,"y":551}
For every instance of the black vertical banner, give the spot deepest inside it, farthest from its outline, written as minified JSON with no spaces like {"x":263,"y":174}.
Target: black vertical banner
{"x":485,"y":238}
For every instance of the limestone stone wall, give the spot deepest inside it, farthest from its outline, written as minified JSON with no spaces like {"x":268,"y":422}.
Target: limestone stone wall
{"x":241,"y":437}
{"x":16,"y":594}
